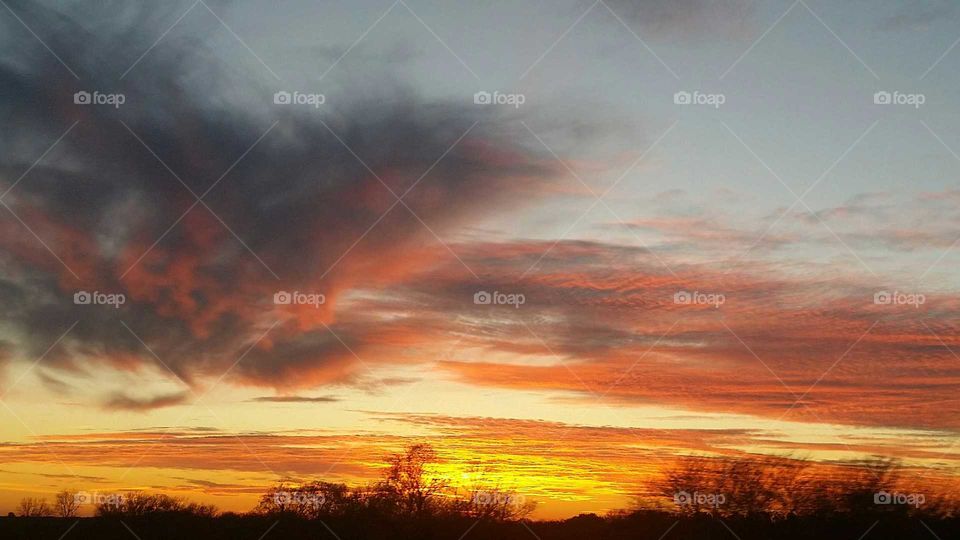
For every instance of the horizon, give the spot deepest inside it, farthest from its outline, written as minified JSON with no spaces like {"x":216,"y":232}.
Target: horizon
{"x":564,"y":244}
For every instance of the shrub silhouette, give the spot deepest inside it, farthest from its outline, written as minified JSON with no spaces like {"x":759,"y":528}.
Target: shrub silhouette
{"x":137,"y":503}
{"x":311,"y":501}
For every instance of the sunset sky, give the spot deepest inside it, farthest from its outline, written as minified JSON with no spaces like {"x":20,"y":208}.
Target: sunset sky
{"x":812,"y":225}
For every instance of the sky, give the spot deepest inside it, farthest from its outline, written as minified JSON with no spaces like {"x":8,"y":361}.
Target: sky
{"x":562,"y":242}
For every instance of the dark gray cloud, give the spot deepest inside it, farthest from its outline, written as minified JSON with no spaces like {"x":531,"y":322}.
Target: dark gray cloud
{"x":686,"y":19}
{"x":6,"y":352}
{"x":122,"y":401}
{"x":284,"y":204}
{"x":919,"y":17}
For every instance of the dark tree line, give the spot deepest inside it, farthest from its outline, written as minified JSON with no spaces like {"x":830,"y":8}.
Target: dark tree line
{"x":695,"y":498}
{"x":777,"y":487}
{"x":407,"y":490}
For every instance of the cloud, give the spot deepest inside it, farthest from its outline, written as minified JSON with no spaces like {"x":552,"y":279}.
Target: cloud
{"x":600,"y":321}
{"x":7,"y":349}
{"x":300,"y":201}
{"x":703,"y":234}
{"x":215,"y":487}
{"x":880,"y":221}
{"x":919,"y":17}
{"x":686,"y":19}
{"x":124,"y":402}
{"x":296,"y":399}
{"x":293,"y":200}
{"x":59,"y":476}
{"x":54,"y":384}
{"x":188,"y":450}
{"x":870,"y":223}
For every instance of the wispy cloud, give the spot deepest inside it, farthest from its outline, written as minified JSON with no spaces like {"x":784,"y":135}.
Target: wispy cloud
{"x":296,"y":399}
{"x":126,"y":402}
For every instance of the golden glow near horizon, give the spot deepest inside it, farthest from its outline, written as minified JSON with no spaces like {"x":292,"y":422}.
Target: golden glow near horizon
{"x":584,"y":456}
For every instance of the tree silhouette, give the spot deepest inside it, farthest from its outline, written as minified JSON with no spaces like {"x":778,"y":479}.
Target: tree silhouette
{"x":409,"y":489}
{"x":763,"y":497}
{"x":137,"y":503}
{"x":775,"y":487}
{"x":410,"y":484}
{"x":34,"y":507}
{"x":310,"y":501}
{"x":66,"y":504}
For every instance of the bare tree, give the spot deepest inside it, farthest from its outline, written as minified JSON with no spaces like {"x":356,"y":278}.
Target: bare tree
{"x":34,"y":507}
{"x":66,"y":504}
{"x":414,"y":489}
{"x":774,"y":486}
